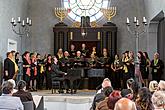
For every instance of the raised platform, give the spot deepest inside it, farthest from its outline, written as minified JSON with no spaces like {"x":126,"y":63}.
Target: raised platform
{"x":82,"y":99}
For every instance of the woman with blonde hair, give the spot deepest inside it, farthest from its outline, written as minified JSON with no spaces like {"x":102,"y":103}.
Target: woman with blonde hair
{"x":153,"y":86}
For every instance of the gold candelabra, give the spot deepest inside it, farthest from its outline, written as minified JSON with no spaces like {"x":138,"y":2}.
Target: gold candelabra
{"x":109,"y":12}
{"x":61,"y":13}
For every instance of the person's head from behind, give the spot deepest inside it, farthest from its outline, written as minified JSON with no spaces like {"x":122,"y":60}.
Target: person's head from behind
{"x":113,"y":98}
{"x":125,"y":104}
{"x":127,"y":93}
{"x":153,"y":86}
{"x":134,"y":88}
{"x":21,"y":85}
{"x":107,"y":91}
{"x":161,"y":85}
{"x":7,"y":88}
{"x":13,"y":82}
{"x":144,"y":98}
{"x":129,"y":83}
{"x":158,"y":100}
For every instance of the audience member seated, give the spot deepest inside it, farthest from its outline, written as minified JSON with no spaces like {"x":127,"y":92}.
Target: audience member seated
{"x":106,"y":83}
{"x":103,"y":105}
{"x":134,"y":88}
{"x":0,"y":90}
{"x":125,"y":104}
{"x":97,"y":98}
{"x":113,"y":98}
{"x":129,"y":83}
{"x":127,"y":93}
{"x":24,"y":96}
{"x":158,"y":100}
{"x":7,"y":102}
{"x":143,"y":101}
{"x":14,"y":85}
{"x":153,"y":86}
{"x":161,"y":85}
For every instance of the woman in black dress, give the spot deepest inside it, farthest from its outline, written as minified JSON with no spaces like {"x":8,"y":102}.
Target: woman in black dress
{"x":143,"y":65}
{"x":148,"y":63}
{"x":157,"y":66}
{"x":48,"y":72}
{"x":26,"y":68}
{"x":116,"y":69}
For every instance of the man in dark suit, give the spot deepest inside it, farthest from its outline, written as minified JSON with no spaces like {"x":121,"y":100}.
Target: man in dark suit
{"x":56,"y":74}
{"x":9,"y":67}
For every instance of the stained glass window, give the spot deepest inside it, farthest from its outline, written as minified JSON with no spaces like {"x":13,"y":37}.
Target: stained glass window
{"x":89,"y":8}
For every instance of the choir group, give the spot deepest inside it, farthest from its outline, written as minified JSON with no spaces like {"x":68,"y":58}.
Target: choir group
{"x":37,"y":70}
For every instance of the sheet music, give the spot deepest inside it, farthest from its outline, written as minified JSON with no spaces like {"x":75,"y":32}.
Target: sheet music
{"x":37,"y":99}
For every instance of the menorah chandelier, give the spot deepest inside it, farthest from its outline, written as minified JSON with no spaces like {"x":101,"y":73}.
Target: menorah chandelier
{"x":21,"y":27}
{"x":61,"y":13}
{"x":137,"y":30}
{"x":109,"y":12}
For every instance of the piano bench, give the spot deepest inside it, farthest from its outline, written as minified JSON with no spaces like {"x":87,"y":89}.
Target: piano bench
{"x":55,"y":85}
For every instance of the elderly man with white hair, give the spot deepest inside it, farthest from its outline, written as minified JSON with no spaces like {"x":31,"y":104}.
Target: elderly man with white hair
{"x":158,"y":100}
{"x":14,"y":85}
{"x":106,"y":83}
{"x":161,"y":85}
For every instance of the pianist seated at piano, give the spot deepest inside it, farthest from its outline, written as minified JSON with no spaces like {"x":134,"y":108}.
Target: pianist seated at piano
{"x":56,"y":73}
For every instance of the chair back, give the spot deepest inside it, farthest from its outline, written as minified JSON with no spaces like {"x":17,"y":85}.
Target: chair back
{"x":28,"y":105}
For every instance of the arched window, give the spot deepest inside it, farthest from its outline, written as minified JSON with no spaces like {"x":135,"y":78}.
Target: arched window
{"x":89,"y":8}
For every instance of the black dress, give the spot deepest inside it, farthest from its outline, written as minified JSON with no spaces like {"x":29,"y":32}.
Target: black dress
{"x":40,"y":74}
{"x":10,"y":68}
{"x":72,"y":53}
{"x":116,"y":82}
{"x":143,"y":65}
{"x":157,"y":70}
{"x":25,"y":76}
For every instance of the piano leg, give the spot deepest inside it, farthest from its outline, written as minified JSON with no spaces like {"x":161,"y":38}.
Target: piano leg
{"x":71,"y":86}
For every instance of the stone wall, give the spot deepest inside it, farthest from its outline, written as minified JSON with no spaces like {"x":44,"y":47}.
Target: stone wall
{"x":43,"y":19}
{"x":9,"y":9}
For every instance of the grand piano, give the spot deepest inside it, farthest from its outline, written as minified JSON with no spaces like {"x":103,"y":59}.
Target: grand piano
{"x":79,"y":72}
